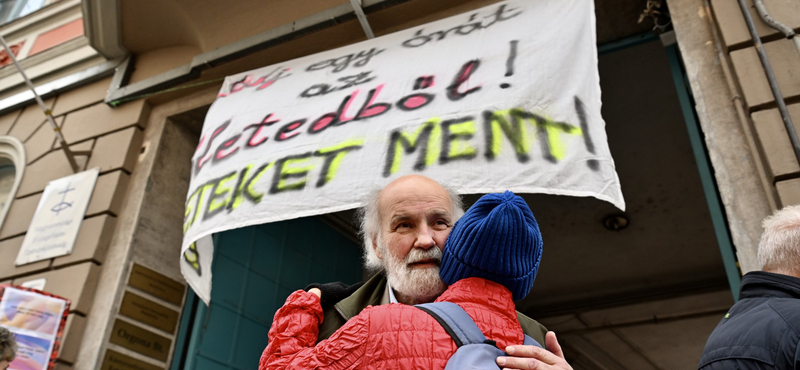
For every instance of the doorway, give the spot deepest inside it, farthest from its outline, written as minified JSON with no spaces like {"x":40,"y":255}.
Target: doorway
{"x":642,"y":296}
{"x":255,"y":269}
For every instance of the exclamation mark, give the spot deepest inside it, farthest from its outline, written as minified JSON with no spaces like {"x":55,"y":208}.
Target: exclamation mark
{"x":510,"y":62}
{"x":581,"y":110}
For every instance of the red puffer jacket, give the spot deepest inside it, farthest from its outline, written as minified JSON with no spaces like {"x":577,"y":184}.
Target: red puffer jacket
{"x":385,"y":337}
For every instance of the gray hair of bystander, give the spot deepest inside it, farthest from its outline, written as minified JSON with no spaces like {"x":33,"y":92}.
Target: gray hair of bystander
{"x":369,"y":217}
{"x":779,"y":248}
{"x":8,"y":345}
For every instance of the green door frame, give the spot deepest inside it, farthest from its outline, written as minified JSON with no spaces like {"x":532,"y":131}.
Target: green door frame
{"x":718,"y":217}
{"x":195,"y":312}
{"x":183,"y":343}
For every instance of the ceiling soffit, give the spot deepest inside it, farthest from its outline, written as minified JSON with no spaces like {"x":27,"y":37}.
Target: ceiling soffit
{"x":144,"y":29}
{"x":207,"y":26}
{"x":140,"y":26}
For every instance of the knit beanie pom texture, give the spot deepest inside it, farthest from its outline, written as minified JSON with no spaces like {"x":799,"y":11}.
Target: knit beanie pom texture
{"x":497,"y":239}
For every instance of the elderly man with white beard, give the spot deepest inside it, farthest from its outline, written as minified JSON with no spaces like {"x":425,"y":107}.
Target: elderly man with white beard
{"x":404,"y":227}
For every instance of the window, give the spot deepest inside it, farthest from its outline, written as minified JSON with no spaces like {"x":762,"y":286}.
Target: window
{"x":12,"y":167}
{"x":13,"y":9}
{"x":6,"y":180}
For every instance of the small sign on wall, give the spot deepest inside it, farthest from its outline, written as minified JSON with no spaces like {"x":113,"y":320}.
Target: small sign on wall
{"x":117,"y":361}
{"x":37,"y":284}
{"x":140,"y":340}
{"x":157,"y":284}
{"x":148,"y":312}
{"x":142,"y":311}
{"x":58,"y":217}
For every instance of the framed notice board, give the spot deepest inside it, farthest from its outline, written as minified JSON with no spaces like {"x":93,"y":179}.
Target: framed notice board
{"x":37,"y":320}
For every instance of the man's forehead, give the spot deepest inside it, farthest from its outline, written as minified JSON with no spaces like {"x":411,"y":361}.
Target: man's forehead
{"x":402,"y":213}
{"x":414,"y":196}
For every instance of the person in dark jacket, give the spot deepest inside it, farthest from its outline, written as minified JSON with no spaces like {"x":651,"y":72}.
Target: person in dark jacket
{"x":762,"y":330}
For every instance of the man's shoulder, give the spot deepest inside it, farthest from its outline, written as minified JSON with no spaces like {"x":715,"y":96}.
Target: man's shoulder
{"x":337,"y":315}
{"x":780,"y":310}
{"x":788,"y":309}
{"x":734,"y":341}
{"x":532,"y":327}
{"x":368,"y":294}
{"x":772,"y":314}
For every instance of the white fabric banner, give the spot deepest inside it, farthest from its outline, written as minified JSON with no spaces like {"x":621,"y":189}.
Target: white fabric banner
{"x":506,"y":97}
{"x":196,"y":267}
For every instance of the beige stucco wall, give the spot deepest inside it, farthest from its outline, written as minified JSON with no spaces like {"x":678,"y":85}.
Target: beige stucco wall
{"x":754,"y":166}
{"x":149,"y":231}
{"x":782,"y":167}
{"x":114,"y":137}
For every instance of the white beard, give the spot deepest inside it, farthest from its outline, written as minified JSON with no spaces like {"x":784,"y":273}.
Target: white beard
{"x":413,"y":285}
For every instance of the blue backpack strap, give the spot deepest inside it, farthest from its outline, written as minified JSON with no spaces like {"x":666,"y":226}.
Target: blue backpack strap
{"x":532,"y":342}
{"x":455,"y":322}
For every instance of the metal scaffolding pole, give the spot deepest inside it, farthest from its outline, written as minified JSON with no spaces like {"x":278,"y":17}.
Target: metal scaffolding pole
{"x":70,"y":154}
{"x":362,"y":18}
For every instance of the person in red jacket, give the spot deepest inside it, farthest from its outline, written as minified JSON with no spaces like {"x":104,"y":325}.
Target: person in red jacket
{"x":489,"y":260}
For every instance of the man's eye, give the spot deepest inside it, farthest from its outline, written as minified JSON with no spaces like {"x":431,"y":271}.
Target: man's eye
{"x":403,"y":225}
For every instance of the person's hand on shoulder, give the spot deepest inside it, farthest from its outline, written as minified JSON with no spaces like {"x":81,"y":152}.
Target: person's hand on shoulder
{"x":531,"y":357}
{"x":331,"y":293}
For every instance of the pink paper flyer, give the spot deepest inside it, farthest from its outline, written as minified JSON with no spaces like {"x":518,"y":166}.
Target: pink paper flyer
{"x":37,"y":319}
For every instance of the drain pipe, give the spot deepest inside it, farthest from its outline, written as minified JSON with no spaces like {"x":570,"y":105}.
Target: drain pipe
{"x":773,"y":84}
{"x":788,"y":32}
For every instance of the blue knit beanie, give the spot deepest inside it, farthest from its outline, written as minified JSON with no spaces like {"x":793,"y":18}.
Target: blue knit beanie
{"x":498,"y":239}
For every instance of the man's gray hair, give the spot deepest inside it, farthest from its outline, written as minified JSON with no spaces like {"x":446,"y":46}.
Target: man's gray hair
{"x":370,"y":219}
{"x":779,"y":248}
{"x":8,"y":345}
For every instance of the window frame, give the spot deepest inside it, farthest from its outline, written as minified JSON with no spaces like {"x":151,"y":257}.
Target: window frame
{"x":13,"y":149}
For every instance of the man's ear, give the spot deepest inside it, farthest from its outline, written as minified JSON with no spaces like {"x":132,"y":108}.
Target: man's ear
{"x":376,"y":249}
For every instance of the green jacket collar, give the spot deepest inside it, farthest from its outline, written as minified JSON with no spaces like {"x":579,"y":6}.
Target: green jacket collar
{"x":369,"y":294}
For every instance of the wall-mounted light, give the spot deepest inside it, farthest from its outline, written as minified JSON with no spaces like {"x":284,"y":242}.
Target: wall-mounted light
{"x":616,"y":222}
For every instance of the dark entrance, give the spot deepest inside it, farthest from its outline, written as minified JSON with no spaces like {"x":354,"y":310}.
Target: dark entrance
{"x":255,"y":269}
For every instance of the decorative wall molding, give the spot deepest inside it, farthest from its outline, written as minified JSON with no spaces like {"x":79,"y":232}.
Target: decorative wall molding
{"x":14,"y":150}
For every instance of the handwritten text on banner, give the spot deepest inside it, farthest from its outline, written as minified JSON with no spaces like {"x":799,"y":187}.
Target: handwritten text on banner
{"x":503,"y":97}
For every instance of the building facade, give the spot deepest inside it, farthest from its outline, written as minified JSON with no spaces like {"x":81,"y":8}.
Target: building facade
{"x":694,"y":128}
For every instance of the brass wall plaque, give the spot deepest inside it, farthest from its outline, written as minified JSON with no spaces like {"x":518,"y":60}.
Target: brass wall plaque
{"x":117,"y":361}
{"x":146,"y":311}
{"x":140,"y":340}
{"x":157,"y":284}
